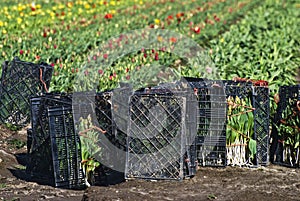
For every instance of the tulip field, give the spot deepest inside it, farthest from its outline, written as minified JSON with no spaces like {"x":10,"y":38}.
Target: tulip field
{"x":107,"y":42}
{"x":248,"y":38}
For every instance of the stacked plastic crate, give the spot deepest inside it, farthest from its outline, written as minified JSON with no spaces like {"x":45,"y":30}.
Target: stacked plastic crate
{"x":210,"y":141}
{"x":19,"y":81}
{"x":54,"y":153}
{"x":160,"y":134}
{"x":108,"y":112}
{"x":253,"y":99}
{"x":285,"y":148}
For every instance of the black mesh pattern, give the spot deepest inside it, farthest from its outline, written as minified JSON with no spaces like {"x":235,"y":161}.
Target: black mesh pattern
{"x":287,"y":121}
{"x":259,"y":97}
{"x":211,"y":135}
{"x":158,"y":142}
{"x":19,"y":81}
{"x":54,"y":149}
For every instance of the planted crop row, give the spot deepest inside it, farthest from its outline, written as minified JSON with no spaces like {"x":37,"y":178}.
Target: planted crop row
{"x":64,"y":33}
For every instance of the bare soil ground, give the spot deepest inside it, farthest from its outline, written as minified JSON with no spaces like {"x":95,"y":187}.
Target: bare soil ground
{"x":230,"y":183}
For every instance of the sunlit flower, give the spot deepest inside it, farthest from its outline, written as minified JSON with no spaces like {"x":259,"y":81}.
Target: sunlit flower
{"x":159,"y":38}
{"x":156,"y":56}
{"x":216,"y":18}
{"x":173,"y":39}
{"x":87,"y":6}
{"x":156,"y":21}
{"x":108,"y":16}
{"x":197,"y":30}
{"x":69,"y":4}
{"x":113,"y":3}
{"x":178,"y":15}
{"x":21,"y":52}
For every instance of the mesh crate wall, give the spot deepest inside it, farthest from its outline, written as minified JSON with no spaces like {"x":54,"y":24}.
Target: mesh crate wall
{"x":108,"y":112}
{"x":65,"y":148}
{"x":157,"y":142}
{"x":287,"y":110}
{"x":211,"y":136}
{"x":54,"y":143}
{"x":259,"y":97}
{"x":19,"y":81}
{"x":261,"y":123}
{"x":39,"y":153}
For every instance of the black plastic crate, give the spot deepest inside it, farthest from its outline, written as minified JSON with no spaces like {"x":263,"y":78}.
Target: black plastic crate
{"x":54,"y":152}
{"x":107,"y":113}
{"x":285,"y":135}
{"x":159,"y":142}
{"x":39,"y":118}
{"x":65,"y":148}
{"x":19,"y":81}
{"x":256,"y":98}
{"x":262,"y":123}
{"x":211,"y":135}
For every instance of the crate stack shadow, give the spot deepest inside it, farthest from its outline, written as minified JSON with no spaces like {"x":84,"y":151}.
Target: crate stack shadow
{"x":284,"y":148}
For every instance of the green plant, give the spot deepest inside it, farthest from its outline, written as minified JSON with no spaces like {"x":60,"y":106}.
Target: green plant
{"x":3,"y":185}
{"x":264,"y":45}
{"x":239,"y":132}
{"x":17,"y":143}
{"x":89,"y":147}
{"x":289,"y":131}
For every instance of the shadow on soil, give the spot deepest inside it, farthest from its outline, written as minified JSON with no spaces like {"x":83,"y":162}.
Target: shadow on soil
{"x":104,"y":176}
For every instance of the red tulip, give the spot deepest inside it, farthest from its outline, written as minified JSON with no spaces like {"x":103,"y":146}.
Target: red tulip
{"x":197,"y":30}
{"x":21,"y":52}
{"x":108,"y":16}
{"x":173,"y":39}
{"x":156,"y":56}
